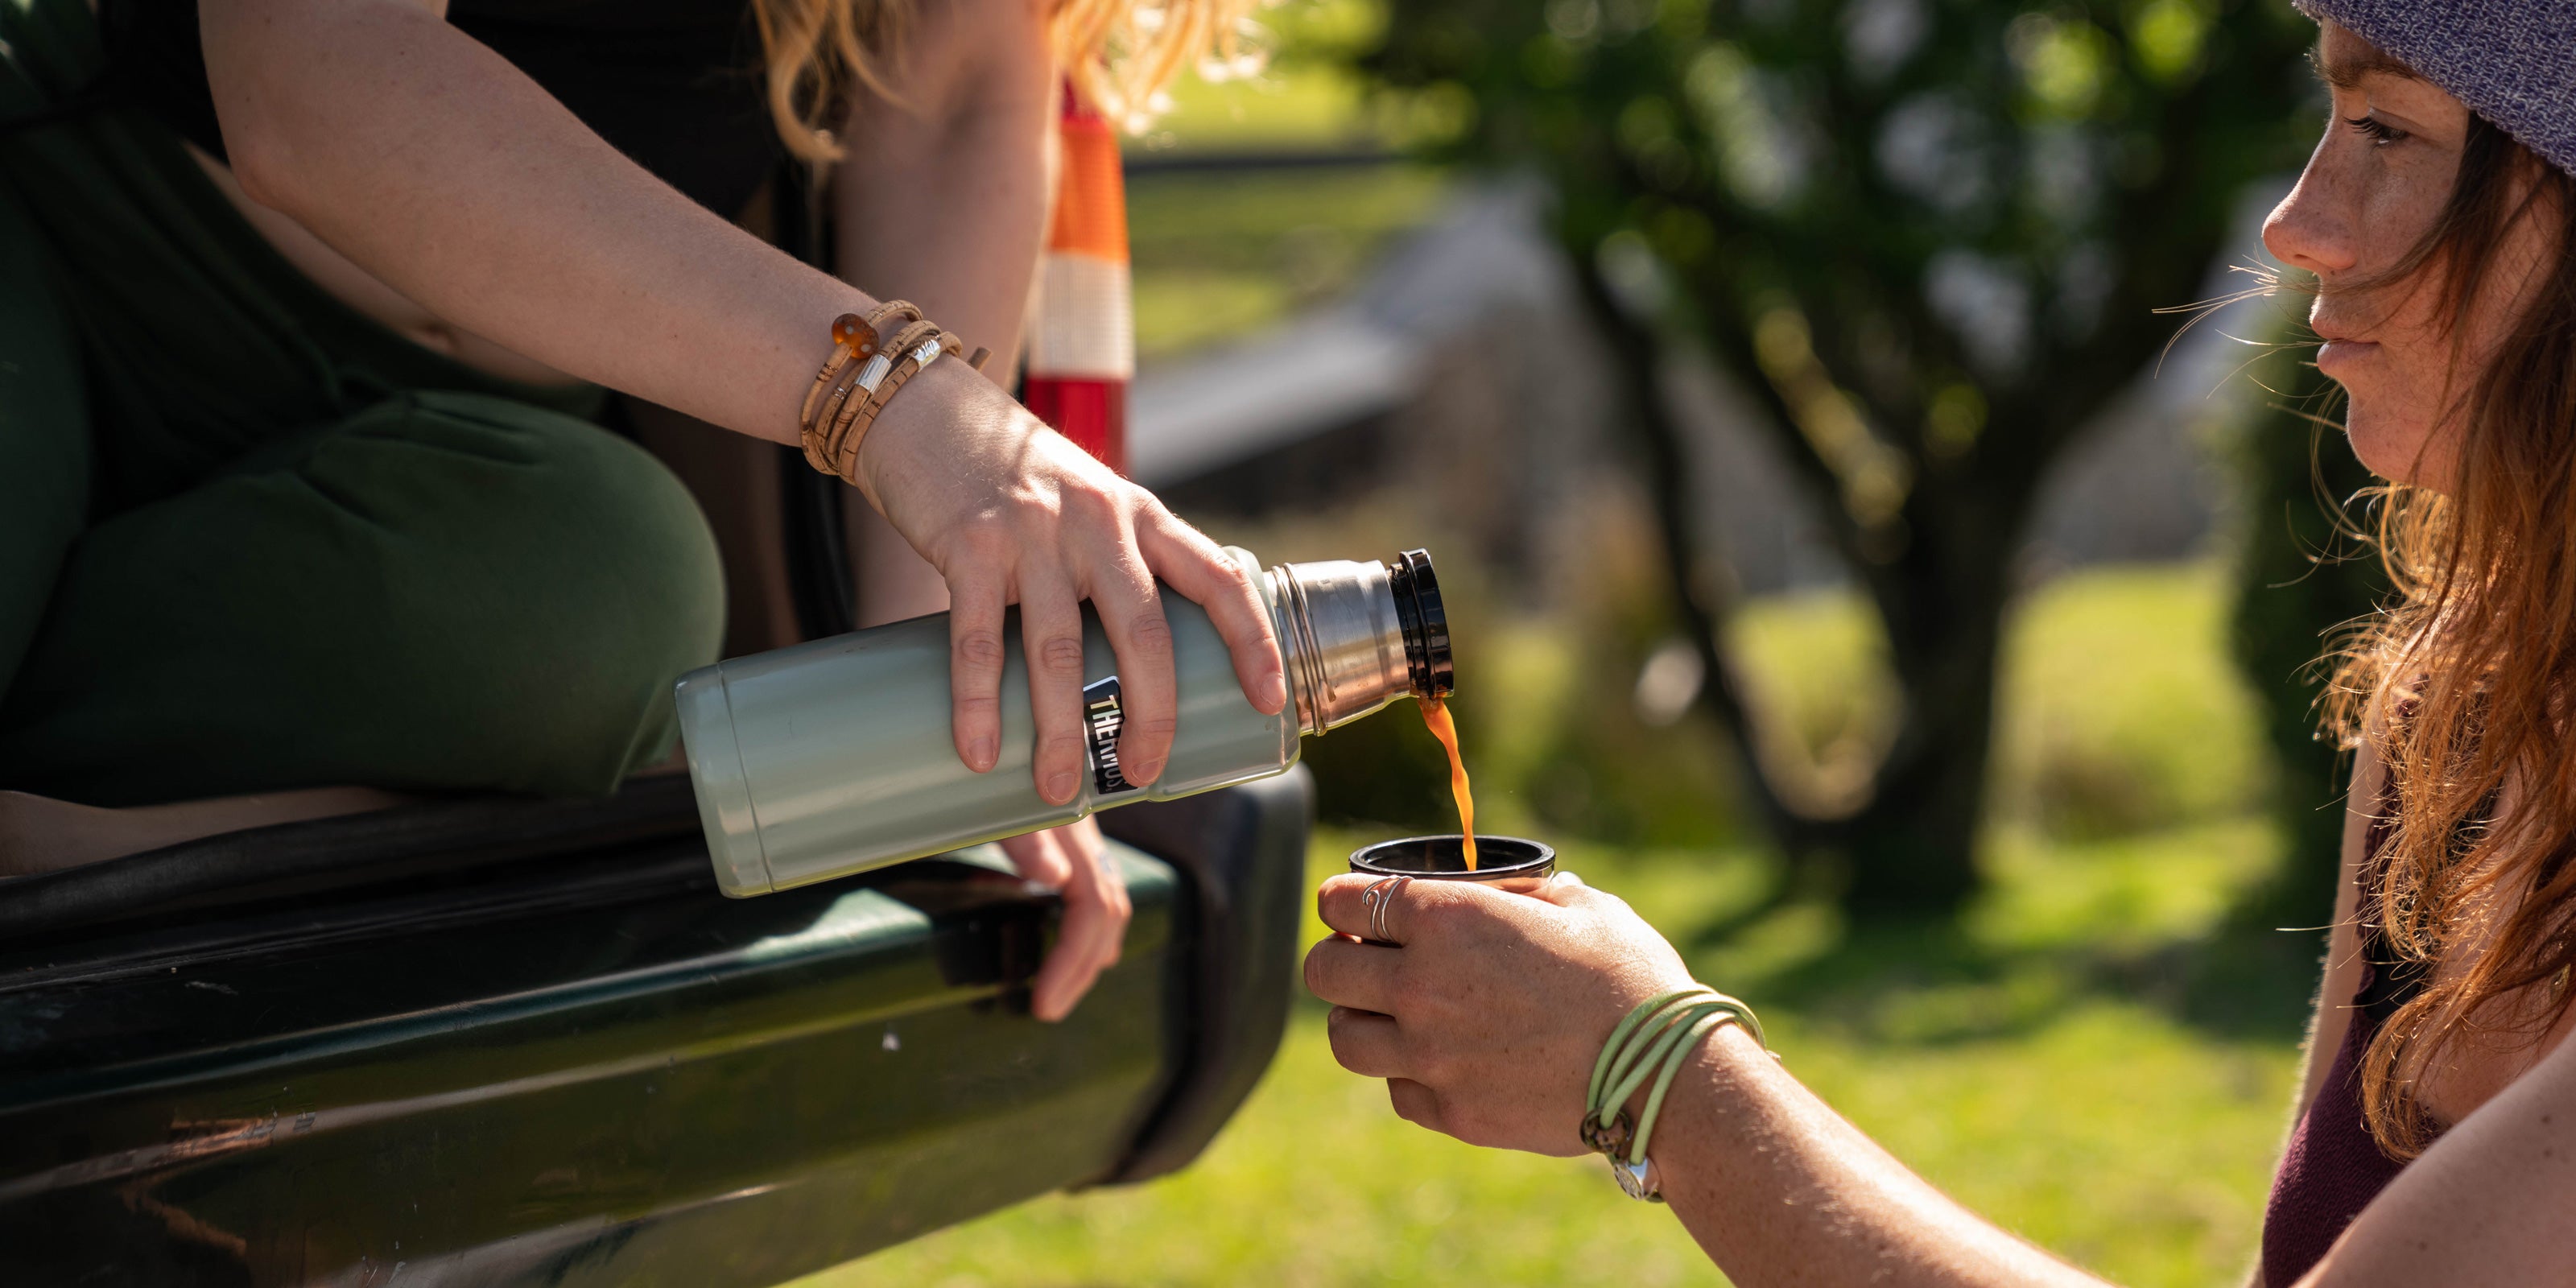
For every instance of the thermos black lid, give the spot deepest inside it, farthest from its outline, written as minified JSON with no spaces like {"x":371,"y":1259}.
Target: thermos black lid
{"x":1425,"y":624}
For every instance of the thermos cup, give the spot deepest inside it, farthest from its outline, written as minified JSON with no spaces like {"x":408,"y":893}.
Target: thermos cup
{"x":835,"y":756}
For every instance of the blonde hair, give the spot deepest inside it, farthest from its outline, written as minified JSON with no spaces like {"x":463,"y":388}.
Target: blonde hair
{"x":1119,"y":54}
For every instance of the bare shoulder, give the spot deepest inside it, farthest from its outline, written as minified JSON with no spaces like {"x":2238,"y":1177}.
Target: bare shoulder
{"x":2489,"y":1202}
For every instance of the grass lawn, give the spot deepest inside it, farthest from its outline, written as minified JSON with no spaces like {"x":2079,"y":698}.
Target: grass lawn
{"x":2089,"y":1056}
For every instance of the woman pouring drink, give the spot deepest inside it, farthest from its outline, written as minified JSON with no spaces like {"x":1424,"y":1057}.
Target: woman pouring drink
{"x":307,"y":313}
{"x":2436,"y":1128}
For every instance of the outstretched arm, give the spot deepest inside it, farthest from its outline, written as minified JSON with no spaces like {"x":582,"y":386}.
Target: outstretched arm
{"x":1487,"y":1020}
{"x":1486,"y":1023}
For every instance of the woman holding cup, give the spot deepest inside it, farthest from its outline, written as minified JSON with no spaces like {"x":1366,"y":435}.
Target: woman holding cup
{"x":2436,"y":1136}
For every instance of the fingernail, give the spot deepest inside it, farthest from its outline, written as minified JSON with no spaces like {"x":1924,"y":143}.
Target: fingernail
{"x":1059,"y":789}
{"x":1145,"y":775}
{"x":980,"y":755}
{"x":1276,"y":692}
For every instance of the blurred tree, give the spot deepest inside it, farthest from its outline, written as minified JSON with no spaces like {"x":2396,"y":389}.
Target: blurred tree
{"x":2303,"y":572}
{"x":1927,"y":237}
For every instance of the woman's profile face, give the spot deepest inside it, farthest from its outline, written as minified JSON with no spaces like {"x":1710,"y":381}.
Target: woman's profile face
{"x":2374,"y":188}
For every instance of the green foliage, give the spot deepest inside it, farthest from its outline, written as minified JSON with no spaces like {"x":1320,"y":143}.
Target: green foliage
{"x":1296,"y":91}
{"x":1817,"y":669}
{"x":2120,"y":713}
{"x":2301,"y":576}
{"x":1599,"y":765}
{"x":1829,"y":155}
{"x":2113,"y":728}
{"x":1927,"y":238}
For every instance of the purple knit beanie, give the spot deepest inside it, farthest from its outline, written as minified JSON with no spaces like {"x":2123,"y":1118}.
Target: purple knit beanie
{"x":2511,"y":61}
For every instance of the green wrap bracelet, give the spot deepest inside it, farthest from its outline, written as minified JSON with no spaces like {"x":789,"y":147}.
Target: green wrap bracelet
{"x":1656,"y":1037}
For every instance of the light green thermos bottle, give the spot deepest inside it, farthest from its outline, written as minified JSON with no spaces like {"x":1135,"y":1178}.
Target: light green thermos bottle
{"x":834,"y":757}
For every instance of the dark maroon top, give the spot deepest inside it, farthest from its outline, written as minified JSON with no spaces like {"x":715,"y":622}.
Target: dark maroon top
{"x":2333,"y":1169}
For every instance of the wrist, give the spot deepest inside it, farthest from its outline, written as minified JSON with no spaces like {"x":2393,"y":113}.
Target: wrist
{"x":876,"y":356}
{"x":1664,"y":1044}
{"x":1721,"y":1078}
{"x":937,"y":403}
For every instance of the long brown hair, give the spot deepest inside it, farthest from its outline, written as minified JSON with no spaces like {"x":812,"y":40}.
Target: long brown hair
{"x":2469,"y":682}
{"x":1119,"y":54}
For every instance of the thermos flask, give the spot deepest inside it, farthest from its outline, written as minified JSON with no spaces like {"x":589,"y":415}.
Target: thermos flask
{"x":835,"y":756}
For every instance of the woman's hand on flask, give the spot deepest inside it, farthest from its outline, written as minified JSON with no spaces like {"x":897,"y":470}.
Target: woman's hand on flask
{"x":1011,"y":512}
{"x":1486,"y":1021}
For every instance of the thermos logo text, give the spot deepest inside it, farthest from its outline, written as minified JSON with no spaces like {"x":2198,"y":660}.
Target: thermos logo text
{"x":1102,"y":718}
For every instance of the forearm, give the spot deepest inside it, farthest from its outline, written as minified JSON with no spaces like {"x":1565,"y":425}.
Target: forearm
{"x":1779,"y":1189}
{"x":437,"y":166}
{"x":943,"y":201}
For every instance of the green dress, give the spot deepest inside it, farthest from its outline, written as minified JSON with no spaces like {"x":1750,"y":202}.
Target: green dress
{"x":251,"y":539}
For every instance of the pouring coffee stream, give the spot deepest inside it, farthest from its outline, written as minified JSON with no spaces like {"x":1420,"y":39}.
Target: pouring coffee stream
{"x":1435,"y":713}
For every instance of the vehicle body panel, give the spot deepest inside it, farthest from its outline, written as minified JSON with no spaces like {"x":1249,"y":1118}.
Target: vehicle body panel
{"x":585,"y":1066}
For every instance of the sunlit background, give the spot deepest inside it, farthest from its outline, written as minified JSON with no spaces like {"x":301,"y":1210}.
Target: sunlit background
{"x":1370,"y":287}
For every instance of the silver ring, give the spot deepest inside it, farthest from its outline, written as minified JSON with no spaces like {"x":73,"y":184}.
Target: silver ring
{"x":1379,"y":897}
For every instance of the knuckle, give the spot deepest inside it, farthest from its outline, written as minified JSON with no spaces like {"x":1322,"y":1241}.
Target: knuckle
{"x":984,"y":539}
{"x":980,"y":649}
{"x":1061,"y":655}
{"x":1404,"y":995}
{"x":1427,"y":916}
{"x":1334,"y":908}
{"x":1092,"y":502}
{"x":1060,"y":747}
{"x":1156,"y":729}
{"x":1151,"y":635}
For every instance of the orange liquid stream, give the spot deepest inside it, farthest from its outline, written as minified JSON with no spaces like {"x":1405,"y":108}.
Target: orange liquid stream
{"x":1436,"y":714}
